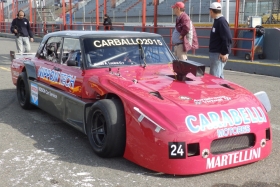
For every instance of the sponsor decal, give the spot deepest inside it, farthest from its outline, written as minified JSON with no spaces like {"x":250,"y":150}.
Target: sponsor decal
{"x":232,"y":131}
{"x":64,"y":79}
{"x":177,"y":150}
{"x":47,"y":92}
{"x":108,"y":63}
{"x":34,"y":94}
{"x":211,"y":100}
{"x":184,"y":98}
{"x":126,"y":41}
{"x":15,"y":73}
{"x":15,"y":65}
{"x":233,"y":158}
{"x":226,"y":118}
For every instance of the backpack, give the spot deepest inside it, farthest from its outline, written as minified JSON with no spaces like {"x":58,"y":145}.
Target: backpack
{"x":259,"y":30}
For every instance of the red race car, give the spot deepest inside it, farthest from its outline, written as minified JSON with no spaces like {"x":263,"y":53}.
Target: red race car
{"x":132,"y":98}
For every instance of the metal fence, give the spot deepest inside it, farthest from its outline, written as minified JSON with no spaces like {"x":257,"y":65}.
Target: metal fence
{"x":198,"y":10}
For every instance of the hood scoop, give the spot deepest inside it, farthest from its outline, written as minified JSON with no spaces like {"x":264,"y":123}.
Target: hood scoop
{"x":157,"y":94}
{"x":182,"y":68}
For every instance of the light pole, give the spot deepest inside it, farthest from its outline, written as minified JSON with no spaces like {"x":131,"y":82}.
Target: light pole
{"x":84,"y":12}
{"x":210,"y":2}
{"x":256,"y":7}
{"x":199,"y":11}
{"x":172,"y":14}
{"x":113,"y":15}
{"x":191,"y":12}
{"x":8,"y":10}
{"x":227,"y":10}
{"x":190,"y":4}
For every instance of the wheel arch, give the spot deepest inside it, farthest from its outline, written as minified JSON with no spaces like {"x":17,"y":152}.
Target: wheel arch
{"x":30,"y":69}
{"x":112,"y":96}
{"x":106,"y":96}
{"x":115,"y":145}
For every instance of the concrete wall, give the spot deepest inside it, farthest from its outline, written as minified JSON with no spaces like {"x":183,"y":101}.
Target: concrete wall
{"x":272,"y":44}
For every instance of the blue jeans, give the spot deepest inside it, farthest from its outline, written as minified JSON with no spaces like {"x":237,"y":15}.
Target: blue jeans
{"x":216,"y":65}
{"x":23,"y":45}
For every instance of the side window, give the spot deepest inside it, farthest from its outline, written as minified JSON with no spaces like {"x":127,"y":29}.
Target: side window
{"x":51,"y":50}
{"x":156,"y":54}
{"x":71,"y":52}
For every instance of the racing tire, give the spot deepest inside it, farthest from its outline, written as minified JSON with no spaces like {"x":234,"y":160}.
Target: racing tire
{"x":23,"y":91}
{"x":261,"y":56}
{"x":106,"y":129}
{"x":248,"y":56}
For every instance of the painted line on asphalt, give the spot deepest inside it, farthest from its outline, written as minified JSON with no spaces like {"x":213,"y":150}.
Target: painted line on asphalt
{"x":5,"y":57}
{"x":5,"y":69}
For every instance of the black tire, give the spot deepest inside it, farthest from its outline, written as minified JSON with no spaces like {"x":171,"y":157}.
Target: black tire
{"x":248,"y":56}
{"x":23,"y":91}
{"x":106,"y":128}
{"x":261,"y":56}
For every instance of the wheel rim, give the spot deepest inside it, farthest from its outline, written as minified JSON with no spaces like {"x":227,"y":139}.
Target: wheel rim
{"x":98,"y":129}
{"x":22,"y":92}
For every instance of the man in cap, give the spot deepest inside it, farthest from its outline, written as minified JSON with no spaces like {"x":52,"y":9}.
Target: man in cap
{"x":220,"y":41}
{"x":184,"y":37}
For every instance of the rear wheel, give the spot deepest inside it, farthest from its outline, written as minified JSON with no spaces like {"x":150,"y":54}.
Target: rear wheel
{"x":23,"y":92}
{"x":248,"y":56}
{"x":106,"y":128}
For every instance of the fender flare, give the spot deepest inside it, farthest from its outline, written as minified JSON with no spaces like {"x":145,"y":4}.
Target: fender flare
{"x":30,"y":70}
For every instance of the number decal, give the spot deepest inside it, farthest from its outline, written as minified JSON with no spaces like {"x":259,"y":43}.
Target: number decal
{"x":174,"y":150}
{"x":155,"y":41}
{"x":159,"y":42}
{"x":145,"y":41}
{"x":150,"y":41}
{"x":177,"y":150}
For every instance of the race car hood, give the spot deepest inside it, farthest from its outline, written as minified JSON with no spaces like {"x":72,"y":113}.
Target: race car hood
{"x":199,"y":103}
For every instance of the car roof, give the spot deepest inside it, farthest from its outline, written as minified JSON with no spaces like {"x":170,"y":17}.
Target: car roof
{"x":106,"y":34}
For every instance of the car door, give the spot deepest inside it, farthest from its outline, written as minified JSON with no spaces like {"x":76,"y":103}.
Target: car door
{"x":49,"y":99}
{"x":49,"y":56}
{"x":59,"y":70}
{"x":71,"y":73}
{"x":71,"y":79}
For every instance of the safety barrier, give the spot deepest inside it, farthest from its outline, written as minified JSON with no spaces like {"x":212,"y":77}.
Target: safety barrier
{"x":235,"y":40}
{"x":43,"y":28}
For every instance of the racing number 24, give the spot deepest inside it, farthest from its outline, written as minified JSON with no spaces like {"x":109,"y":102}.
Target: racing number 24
{"x":177,"y":150}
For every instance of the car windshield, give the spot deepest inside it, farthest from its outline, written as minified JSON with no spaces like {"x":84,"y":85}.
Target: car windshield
{"x":126,"y":51}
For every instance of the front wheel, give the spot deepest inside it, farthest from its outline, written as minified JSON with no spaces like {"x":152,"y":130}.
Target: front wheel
{"x":23,"y":92}
{"x":106,"y":129}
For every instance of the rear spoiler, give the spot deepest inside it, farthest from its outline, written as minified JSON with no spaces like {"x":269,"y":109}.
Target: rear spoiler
{"x":14,"y":55}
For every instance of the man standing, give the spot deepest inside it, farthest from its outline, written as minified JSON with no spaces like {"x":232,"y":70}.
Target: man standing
{"x":107,"y":22}
{"x":220,"y":41}
{"x":21,"y":28}
{"x":184,"y":36}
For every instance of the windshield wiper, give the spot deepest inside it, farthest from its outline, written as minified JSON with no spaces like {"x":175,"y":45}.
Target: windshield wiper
{"x":142,"y":54}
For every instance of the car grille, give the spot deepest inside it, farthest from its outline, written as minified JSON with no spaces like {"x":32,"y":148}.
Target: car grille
{"x":232,"y":143}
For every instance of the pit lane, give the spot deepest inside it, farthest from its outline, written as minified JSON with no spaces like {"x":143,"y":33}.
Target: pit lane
{"x":36,"y":149}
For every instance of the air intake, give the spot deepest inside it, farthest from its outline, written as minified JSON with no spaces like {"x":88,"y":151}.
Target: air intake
{"x":182,"y":68}
{"x":230,"y":144}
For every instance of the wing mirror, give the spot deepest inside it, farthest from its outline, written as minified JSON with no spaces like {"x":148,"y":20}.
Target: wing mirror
{"x":72,"y":63}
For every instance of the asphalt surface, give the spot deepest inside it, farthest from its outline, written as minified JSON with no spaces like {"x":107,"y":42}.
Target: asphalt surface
{"x":37,"y":149}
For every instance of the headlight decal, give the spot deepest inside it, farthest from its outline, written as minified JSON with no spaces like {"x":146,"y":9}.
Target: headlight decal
{"x":142,"y":116}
